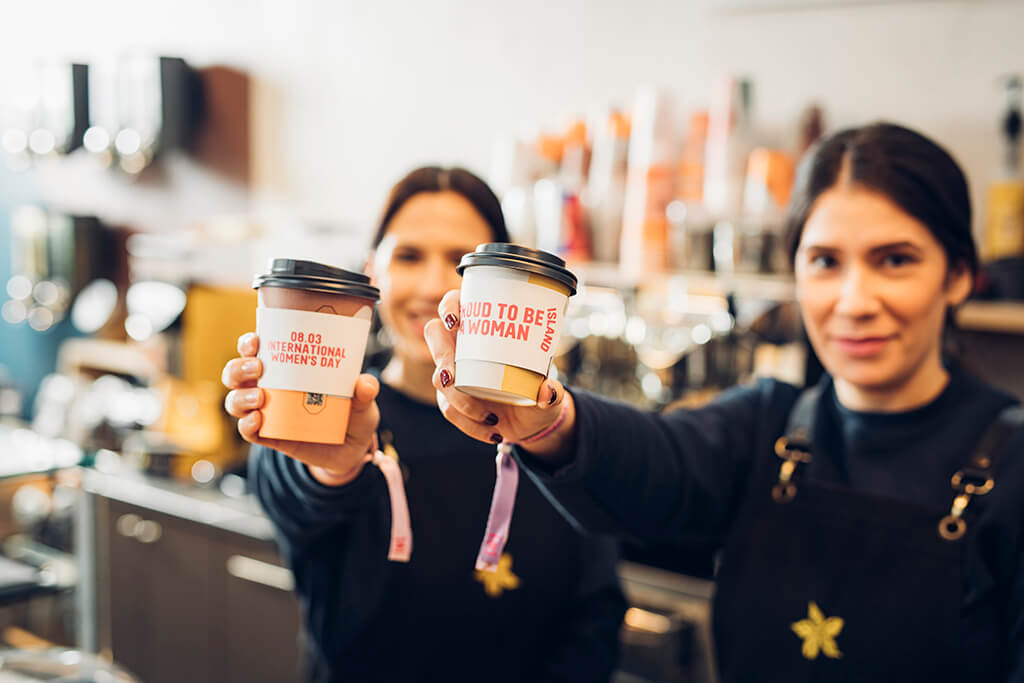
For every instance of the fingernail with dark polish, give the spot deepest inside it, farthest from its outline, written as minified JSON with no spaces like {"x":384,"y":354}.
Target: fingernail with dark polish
{"x":495,"y":438}
{"x":554,"y":397}
{"x":446,"y":378}
{"x":450,"y":321}
{"x":491,"y":419}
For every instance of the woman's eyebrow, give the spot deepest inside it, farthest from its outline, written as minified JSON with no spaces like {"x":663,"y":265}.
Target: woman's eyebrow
{"x":895,"y":246}
{"x":879,"y":248}
{"x":819,"y":248}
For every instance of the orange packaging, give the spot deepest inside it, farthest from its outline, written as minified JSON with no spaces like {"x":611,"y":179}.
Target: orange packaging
{"x":313,"y":321}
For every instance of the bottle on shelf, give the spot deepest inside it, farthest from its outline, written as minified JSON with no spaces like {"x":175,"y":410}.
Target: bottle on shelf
{"x":606,"y":186}
{"x":730,"y":139}
{"x":811,"y":128}
{"x":575,"y":243}
{"x":514,"y":171}
{"x":757,"y":245}
{"x":1004,"y":225}
{"x":547,"y":193}
{"x":690,"y":227}
{"x":650,"y":180}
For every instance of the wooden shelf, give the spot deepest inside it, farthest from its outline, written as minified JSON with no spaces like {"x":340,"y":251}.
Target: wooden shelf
{"x":984,"y":316}
{"x":775,"y":287}
{"x":992,"y":316}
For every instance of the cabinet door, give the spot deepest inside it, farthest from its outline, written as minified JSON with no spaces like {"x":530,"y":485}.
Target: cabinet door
{"x":159,"y":596}
{"x":259,"y":614}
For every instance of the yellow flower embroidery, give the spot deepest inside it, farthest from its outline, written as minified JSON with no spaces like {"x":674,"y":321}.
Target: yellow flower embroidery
{"x":819,"y":633}
{"x":502,"y":578}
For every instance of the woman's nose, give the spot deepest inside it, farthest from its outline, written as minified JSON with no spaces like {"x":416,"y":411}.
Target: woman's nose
{"x":858,"y":294}
{"x":439,"y":277}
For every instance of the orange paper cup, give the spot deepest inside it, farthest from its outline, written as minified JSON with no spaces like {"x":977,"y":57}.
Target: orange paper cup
{"x":313,"y":321}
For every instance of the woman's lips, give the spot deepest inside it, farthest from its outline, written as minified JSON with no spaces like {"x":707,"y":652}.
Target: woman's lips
{"x":862,"y":347}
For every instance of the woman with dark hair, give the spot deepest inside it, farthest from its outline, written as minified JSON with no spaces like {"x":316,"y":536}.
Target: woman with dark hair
{"x":551,"y":612}
{"x":870,"y":527}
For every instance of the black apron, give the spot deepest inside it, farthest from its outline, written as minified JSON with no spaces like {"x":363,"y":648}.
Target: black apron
{"x":822,"y":583}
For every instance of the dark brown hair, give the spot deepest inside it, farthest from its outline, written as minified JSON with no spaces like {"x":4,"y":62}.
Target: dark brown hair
{"x":438,"y":179}
{"x":911,"y":170}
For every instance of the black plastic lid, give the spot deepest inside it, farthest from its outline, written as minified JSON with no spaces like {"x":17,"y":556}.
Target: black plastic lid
{"x":520,"y":258}
{"x":310,"y":276}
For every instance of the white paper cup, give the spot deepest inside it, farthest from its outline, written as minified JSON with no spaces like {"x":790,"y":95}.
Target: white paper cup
{"x":512,"y":308}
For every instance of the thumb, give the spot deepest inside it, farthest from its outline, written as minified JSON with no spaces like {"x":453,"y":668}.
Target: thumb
{"x":366,"y":390}
{"x":364,"y":417}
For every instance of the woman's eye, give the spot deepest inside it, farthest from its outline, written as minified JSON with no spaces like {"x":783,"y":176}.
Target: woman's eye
{"x":405,"y":256}
{"x":897,"y":260}
{"x":823,"y":261}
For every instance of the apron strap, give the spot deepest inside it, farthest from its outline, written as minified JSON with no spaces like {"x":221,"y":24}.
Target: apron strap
{"x":975,"y":479}
{"x":990,"y":447}
{"x":800,"y":426}
{"x":795,"y":446}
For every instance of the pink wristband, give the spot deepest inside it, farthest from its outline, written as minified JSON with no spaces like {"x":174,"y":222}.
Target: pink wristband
{"x":400,"y":546}
{"x":503,"y":500}
{"x":550,"y":428}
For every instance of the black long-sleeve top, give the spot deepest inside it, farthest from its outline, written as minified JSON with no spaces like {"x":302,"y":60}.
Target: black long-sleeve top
{"x":684,"y":475}
{"x":554,"y":617}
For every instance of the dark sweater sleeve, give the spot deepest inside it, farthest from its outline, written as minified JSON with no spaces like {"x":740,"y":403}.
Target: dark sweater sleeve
{"x":302,"y":509}
{"x":658,"y":477}
{"x":316,"y":526}
{"x":1015,"y":604}
{"x":589,"y":651}
{"x":1015,"y":647}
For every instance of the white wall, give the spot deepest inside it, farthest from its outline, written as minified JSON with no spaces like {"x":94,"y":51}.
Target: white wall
{"x":352,"y":94}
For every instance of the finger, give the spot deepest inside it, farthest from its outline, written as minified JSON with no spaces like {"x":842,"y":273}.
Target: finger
{"x":448,"y":311}
{"x":441,"y":344}
{"x":475,"y":409}
{"x":248,"y":344}
{"x":472,"y":428}
{"x":443,"y":380}
{"x":550,"y":395}
{"x":249,"y":427}
{"x":240,"y":402}
{"x":241,"y":372}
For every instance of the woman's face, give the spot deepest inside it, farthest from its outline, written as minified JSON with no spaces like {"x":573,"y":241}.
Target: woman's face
{"x":873,"y":285}
{"x":414,"y":265}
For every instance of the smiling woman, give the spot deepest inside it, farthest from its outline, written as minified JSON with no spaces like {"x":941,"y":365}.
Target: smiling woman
{"x":431,"y":219}
{"x":869,"y":527}
{"x":552,"y":609}
{"x":882,"y":252}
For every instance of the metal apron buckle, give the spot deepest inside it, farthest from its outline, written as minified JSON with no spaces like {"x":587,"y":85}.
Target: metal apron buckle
{"x":793,"y":452}
{"x":952,"y":527}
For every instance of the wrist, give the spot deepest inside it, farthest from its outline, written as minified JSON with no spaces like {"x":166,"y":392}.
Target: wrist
{"x":329,"y":477}
{"x":554,"y":443}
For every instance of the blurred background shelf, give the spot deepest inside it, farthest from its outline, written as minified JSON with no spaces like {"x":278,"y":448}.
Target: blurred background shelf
{"x":982,"y":316}
{"x":752,"y":285}
{"x":993,"y":316}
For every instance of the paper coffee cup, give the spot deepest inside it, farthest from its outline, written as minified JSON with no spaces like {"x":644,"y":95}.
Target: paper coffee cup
{"x":313,"y":321}
{"x":512,"y":307}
